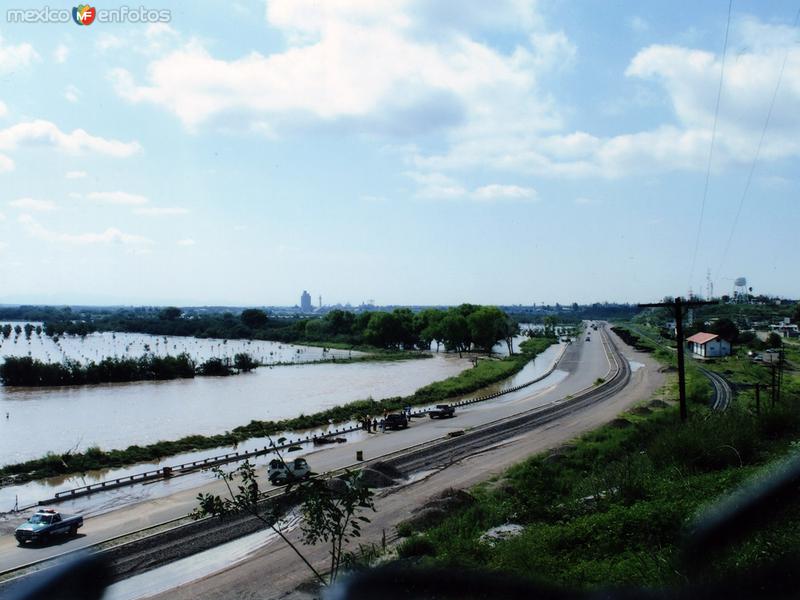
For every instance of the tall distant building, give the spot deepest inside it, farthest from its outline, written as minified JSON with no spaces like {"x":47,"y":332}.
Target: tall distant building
{"x":305,"y":301}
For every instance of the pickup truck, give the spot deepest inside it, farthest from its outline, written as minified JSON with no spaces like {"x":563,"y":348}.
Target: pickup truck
{"x":442,"y":411}
{"x":395,"y":421}
{"x":46,"y":523}
{"x":280,"y":472}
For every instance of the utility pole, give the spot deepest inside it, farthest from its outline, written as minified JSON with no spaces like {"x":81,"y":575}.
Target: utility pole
{"x":758,"y":398}
{"x":677,"y":306}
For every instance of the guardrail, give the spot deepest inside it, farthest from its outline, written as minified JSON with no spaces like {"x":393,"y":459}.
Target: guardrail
{"x":212,"y":461}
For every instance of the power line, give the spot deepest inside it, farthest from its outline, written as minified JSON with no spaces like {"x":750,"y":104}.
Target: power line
{"x":758,"y":152}
{"x":711,"y":148}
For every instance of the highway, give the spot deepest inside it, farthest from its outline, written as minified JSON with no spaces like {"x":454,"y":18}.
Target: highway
{"x":582,"y":364}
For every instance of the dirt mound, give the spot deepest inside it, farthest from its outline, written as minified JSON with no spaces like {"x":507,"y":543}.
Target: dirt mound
{"x":424,"y":519}
{"x":448,"y":500}
{"x":658,"y":404}
{"x":375,"y":479}
{"x":642,"y":410}
{"x":620,"y":423}
{"x":387,"y":470}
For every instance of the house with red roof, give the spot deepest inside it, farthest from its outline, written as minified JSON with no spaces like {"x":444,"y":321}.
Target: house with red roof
{"x":708,"y":345}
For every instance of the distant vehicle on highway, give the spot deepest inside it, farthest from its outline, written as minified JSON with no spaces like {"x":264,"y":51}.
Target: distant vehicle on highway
{"x":442,"y":411}
{"x":395,"y":421}
{"x":45,"y":524}
{"x":588,"y":339}
{"x":280,"y":472}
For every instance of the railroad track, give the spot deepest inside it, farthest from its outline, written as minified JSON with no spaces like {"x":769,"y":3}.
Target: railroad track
{"x":722,"y":391}
{"x":177,"y":539}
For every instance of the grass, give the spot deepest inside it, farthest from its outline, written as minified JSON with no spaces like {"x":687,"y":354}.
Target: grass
{"x":486,"y":372}
{"x":611,"y":509}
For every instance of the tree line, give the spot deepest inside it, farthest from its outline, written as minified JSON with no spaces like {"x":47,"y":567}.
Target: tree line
{"x":25,"y":371}
{"x":458,"y":329}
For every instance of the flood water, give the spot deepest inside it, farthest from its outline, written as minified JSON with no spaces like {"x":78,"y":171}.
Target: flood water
{"x":29,"y":493}
{"x":41,"y":420}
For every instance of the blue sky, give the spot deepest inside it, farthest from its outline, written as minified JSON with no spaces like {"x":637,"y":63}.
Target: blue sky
{"x":406,"y":152}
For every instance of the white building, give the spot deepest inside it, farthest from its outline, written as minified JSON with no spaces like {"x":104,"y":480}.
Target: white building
{"x":708,"y":345}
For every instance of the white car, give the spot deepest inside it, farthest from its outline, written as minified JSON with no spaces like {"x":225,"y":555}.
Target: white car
{"x":280,"y":472}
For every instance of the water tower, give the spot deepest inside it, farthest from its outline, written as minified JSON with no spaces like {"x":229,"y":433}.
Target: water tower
{"x":740,"y":289}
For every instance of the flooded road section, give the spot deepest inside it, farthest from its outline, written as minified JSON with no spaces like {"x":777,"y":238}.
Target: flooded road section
{"x":34,"y":491}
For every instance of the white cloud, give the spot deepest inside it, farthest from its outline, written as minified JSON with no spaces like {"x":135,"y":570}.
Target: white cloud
{"x":119,"y":198}
{"x":442,"y":187}
{"x":108,"y":41}
{"x":75,"y":174}
{"x":552,"y":49}
{"x":2,"y":217}
{"x":72,"y":93}
{"x":638,"y":24}
{"x":33,"y":204}
{"x":42,"y":132}
{"x":6,"y":164}
{"x":436,"y":185}
{"x":186,"y":242}
{"x":493,"y":192}
{"x":3,"y":109}
{"x":161,"y":211}
{"x":13,"y":58}
{"x":111,"y":235}
{"x":356,"y":65}
{"x":61,"y":53}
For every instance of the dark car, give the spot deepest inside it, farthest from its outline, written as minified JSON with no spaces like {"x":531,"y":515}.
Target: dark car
{"x":395,"y":421}
{"x":442,"y":411}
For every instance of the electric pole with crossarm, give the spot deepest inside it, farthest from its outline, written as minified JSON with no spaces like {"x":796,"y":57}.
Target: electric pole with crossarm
{"x":677,"y":306}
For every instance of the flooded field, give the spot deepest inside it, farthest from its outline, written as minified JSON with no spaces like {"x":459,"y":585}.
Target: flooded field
{"x":30,"y":492}
{"x":97,"y":346}
{"x":34,"y":421}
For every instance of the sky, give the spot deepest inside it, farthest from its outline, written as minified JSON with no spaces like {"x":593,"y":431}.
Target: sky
{"x":404,"y":152}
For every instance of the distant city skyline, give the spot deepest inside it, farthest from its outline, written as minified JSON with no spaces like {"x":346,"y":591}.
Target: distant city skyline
{"x":414,"y":153}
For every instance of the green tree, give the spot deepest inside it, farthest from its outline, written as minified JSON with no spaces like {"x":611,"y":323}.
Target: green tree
{"x":253,"y":318}
{"x":170,"y":313}
{"x":774,"y":340}
{"x":455,"y":331}
{"x":796,"y":313}
{"x":487,"y":326}
{"x":340,"y":322}
{"x":383,"y":330}
{"x":244,"y":362}
{"x":428,"y":326}
{"x":726,"y":329}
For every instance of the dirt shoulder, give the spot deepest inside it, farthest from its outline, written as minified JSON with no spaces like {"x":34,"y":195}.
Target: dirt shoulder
{"x":274,"y":570}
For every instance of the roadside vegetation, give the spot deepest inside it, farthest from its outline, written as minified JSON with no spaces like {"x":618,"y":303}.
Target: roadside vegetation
{"x":486,"y":372}
{"x":612,"y":508}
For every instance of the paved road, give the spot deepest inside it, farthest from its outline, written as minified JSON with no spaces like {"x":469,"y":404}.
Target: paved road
{"x":582,"y":364}
{"x":273,"y":570}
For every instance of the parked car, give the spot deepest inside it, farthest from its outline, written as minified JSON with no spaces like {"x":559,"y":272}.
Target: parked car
{"x":395,"y":421}
{"x":280,"y":472}
{"x":46,"y":523}
{"x":442,"y":411}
